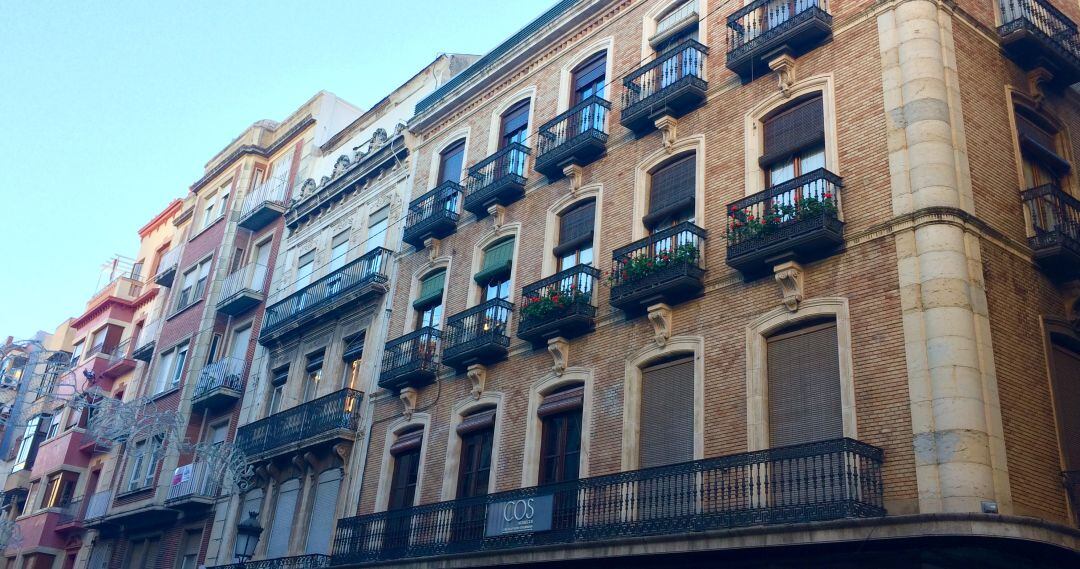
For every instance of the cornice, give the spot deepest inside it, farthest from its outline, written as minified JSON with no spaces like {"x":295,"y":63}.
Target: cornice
{"x":255,"y":149}
{"x":160,"y":218}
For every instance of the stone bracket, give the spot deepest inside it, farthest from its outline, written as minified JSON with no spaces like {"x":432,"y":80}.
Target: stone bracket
{"x":477,"y":374}
{"x":668,"y":127}
{"x":784,"y":66}
{"x":1037,"y":80}
{"x":408,"y":399}
{"x":789,"y":275}
{"x":559,"y":348}
{"x":660,"y":317}
{"x":498,"y":216}
{"x":434,"y":247}
{"x":342,"y":450}
{"x":574,"y":173}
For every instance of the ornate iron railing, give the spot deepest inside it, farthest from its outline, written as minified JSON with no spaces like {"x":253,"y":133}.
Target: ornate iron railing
{"x":269,"y":191}
{"x":669,"y":71}
{"x":417,"y":351}
{"x":826,"y":480}
{"x":312,"y":561}
{"x":1043,"y":19}
{"x":585,"y":119}
{"x":439,"y":205}
{"x":505,"y":166}
{"x":339,"y":411}
{"x":226,"y":373}
{"x":1055,"y":217}
{"x":760,"y":21}
{"x":372,"y":268}
{"x":98,"y":505}
{"x":70,"y":512}
{"x":564,"y":295}
{"x":195,"y":480}
{"x":482,"y":325}
{"x":656,"y":257}
{"x":804,"y":203}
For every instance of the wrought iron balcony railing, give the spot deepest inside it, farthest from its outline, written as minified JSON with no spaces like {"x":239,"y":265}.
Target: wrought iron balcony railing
{"x":1035,"y":33}
{"x":799,"y":218}
{"x":167,"y":267}
{"x":434,"y":214}
{"x":264,"y":203}
{"x":144,"y":347}
{"x":576,"y":137}
{"x":312,"y":561}
{"x":480,"y":334}
{"x":120,"y":360}
{"x":98,"y":505}
{"x":220,"y":382}
{"x":195,"y":481}
{"x":243,"y":289}
{"x":763,"y":28}
{"x":560,"y":305}
{"x":327,"y":418}
{"x":826,"y":480}
{"x":1055,"y":225}
{"x":411,"y":360}
{"x":498,"y":179}
{"x":672,"y":84}
{"x":359,"y":280}
{"x":663,"y":267}
{"x":71,"y":513}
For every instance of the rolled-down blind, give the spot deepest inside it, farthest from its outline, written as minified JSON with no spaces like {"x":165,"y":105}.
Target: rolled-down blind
{"x":562,"y":401}
{"x":671,"y":188}
{"x":804,"y":386}
{"x":477,"y":422}
{"x":667,"y":414}
{"x":354,"y":348}
{"x":431,"y":289}
{"x":1067,"y":400}
{"x":407,"y":442}
{"x":284,"y":510}
{"x":793,"y":129}
{"x":321,"y":523}
{"x":99,"y":556}
{"x":576,"y":228}
{"x":497,"y":261}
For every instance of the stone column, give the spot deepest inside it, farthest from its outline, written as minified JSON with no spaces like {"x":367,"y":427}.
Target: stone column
{"x":953,"y":391}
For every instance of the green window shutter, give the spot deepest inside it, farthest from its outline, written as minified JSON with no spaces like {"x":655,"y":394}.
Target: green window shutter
{"x":497,"y":261}
{"x":431,"y":289}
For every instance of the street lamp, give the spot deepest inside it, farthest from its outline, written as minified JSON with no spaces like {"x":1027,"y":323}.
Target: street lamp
{"x":247,"y":537}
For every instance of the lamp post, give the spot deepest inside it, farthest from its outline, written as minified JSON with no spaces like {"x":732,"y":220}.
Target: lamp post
{"x":247,"y":537}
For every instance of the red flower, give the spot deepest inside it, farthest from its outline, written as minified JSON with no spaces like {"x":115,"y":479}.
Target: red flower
{"x":828,"y":195}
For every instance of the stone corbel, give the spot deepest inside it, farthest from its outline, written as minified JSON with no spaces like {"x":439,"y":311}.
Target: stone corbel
{"x":498,"y":216}
{"x":298,"y":462}
{"x":477,"y":374}
{"x":559,"y":348}
{"x":311,"y":460}
{"x":574,"y":173}
{"x":784,"y":66}
{"x":408,"y":399}
{"x":1038,"y":79}
{"x":434,"y":247}
{"x":790,"y":277}
{"x":263,"y":473}
{"x":668,"y":125}
{"x":274,"y":472}
{"x":342,"y":450}
{"x":660,"y":317}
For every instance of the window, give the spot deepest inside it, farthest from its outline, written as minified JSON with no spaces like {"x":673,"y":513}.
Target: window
{"x":560,"y":444}
{"x":262,"y":263}
{"x":353,"y":357}
{"x":33,"y":434}
{"x":211,"y":354}
{"x":223,"y":199}
{"x":667,"y":414}
{"x":166,"y":365}
{"x":377,"y":224}
{"x":477,"y":431}
{"x":339,"y":249}
{"x":321,"y":520}
{"x":97,"y":340}
{"x":672,"y":189}
{"x":144,"y":459}
{"x":794,"y":141}
{"x":803,"y":368}
{"x":589,"y":78}
{"x":515,"y":125}
{"x":313,"y":375}
{"x":406,"y":455}
{"x":194,"y":284}
{"x":677,"y":24}
{"x":136,"y":270}
{"x":178,"y":367}
{"x":100,"y":555}
{"x":59,"y":489}
{"x":281,"y":375}
{"x":209,"y":207}
{"x":189,"y":550}
{"x":1039,"y":149}
{"x":494,"y":274}
{"x":54,"y":425}
{"x":281,"y":526}
{"x":76,"y":353}
{"x":428,"y":304}
{"x":142,"y":553}
{"x":1065,"y":363}
{"x":576,"y":235}
{"x":305,"y":266}
{"x":451,"y":160}
{"x":280,"y":171}
{"x":55,"y":365}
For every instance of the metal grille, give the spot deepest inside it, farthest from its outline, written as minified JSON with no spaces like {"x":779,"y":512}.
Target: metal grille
{"x":295,"y":562}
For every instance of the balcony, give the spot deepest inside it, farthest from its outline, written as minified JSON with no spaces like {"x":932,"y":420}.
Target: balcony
{"x":411,"y":360}
{"x":194,"y":486}
{"x":798,"y":219}
{"x":560,"y":305}
{"x":576,"y":137}
{"x":765,"y":29}
{"x":264,"y":204}
{"x":433,"y":215}
{"x":312,"y":561}
{"x":120,"y":360}
{"x":243,"y":290}
{"x":498,"y":179}
{"x":167,"y":267}
{"x":70,"y":517}
{"x":820,"y":481}
{"x":1035,"y":34}
{"x":479,"y":335}
{"x":359,"y":281}
{"x":324,"y":420}
{"x":220,"y":383}
{"x":664,"y":267}
{"x":1055,"y":225}
{"x":97,"y":507}
{"x":672,"y":85}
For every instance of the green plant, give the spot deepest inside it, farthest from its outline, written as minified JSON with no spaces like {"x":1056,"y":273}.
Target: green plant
{"x":552,"y":300}
{"x":743,"y":225}
{"x":644,"y":264}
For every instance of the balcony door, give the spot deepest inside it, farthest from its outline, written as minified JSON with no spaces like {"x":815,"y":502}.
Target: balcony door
{"x":560,"y":450}
{"x":321,"y":521}
{"x":514,"y":129}
{"x":794,"y":145}
{"x":239,"y":346}
{"x":477,"y":432}
{"x":589,"y":80}
{"x":304,"y":269}
{"x":262,"y":263}
{"x":677,"y":66}
{"x":281,"y":526}
{"x":666,"y":436}
{"x":406,"y":456}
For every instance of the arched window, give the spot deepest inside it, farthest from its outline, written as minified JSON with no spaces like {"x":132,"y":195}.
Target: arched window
{"x":575,"y":243}
{"x":560,"y":439}
{"x":794,"y":141}
{"x":667,"y":413}
{"x":451,"y":160}
{"x":589,"y":78}
{"x":514,"y":127}
{"x":494,"y":274}
{"x":803,"y":366}
{"x":405,"y":452}
{"x":672,"y":189}
{"x":429,"y":301}
{"x":676,"y":25}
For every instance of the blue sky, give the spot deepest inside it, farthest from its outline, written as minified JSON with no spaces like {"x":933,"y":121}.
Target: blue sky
{"x":110,"y":109}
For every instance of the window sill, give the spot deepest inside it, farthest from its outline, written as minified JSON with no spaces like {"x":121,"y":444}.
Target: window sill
{"x":134,"y":491}
{"x":165,"y":393}
{"x":183,"y":310}
{"x":196,"y":235}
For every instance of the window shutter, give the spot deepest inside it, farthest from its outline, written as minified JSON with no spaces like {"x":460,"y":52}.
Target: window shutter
{"x":576,"y":228}
{"x":792,"y":130}
{"x":498,"y":259}
{"x":477,"y":422}
{"x":667,"y":414}
{"x":100,"y":556}
{"x":407,"y":442}
{"x":431,"y":289}
{"x":1040,"y":144}
{"x":322,"y":512}
{"x":671,"y":189}
{"x":1067,"y":398}
{"x":278,"y":546}
{"x":562,"y":401}
{"x":804,"y":386}
{"x":354,"y":348}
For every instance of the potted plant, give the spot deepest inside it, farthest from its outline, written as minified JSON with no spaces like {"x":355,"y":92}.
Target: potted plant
{"x":640,"y":266}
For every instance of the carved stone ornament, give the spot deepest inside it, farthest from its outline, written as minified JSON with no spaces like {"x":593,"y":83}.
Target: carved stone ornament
{"x":668,"y":125}
{"x":341,"y":164}
{"x":307,"y":188}
{"x":311,"y":460}
{"x":498,"y":216}
{"x":378,"y":138}
{"x":433,"y":247}
{"x":559,"y":348}
{"x":574,"y":173}
{"x":478,"y":378}
{"x":408,"y":399}
{"x":342,"y":450}
{"x":790,"y":277}
{"x":784,"y":66}
{"x":660,"y":317}
{"x":324,"y":180}
{"x":1038,"y":79}
{"x":298,"y":462}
